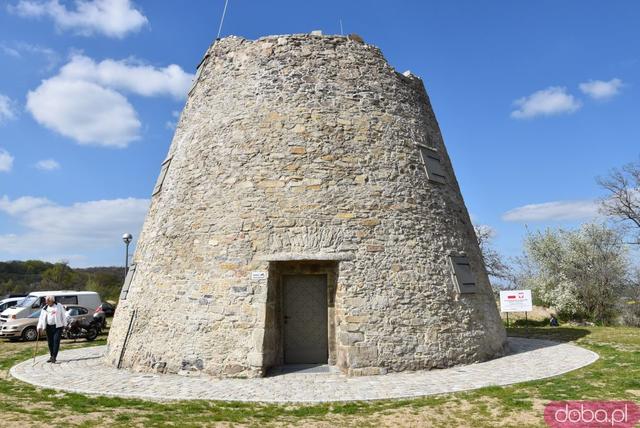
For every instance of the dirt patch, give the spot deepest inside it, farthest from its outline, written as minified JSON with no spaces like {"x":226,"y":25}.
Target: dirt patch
{"x":483,"y":412}
{"x":538,"y":313}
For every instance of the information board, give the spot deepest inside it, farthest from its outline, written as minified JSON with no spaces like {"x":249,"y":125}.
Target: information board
{"x":516,"y":301}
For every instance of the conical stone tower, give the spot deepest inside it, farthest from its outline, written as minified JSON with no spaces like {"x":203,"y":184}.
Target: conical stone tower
{"x":307,"y":213}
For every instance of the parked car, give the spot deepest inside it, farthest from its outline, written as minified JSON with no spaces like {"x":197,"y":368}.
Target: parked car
{"x":100,"y":319}
{"x":25,"y":328}
{"x":79,"y":313}
{"x":9,"y":303}
{"x":107,"y":308}
{"x":102,"y":312}
{"x":34,"y":301}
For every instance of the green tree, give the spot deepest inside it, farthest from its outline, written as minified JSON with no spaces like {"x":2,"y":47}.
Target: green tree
{"x":496,"y":267}
{"x":582,"y":273}
{"x":108,"y":286}
{"x":630,"y":303}
{"x":60,"y":275}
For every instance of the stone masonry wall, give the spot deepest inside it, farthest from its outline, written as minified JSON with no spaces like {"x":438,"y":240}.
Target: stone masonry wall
{"x":304,"y":146}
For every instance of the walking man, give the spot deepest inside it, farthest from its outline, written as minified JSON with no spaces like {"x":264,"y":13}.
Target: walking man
{"x":53,"y":318}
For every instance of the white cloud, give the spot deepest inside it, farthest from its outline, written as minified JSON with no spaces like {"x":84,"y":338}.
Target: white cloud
{"x":171,"y":124}
{"x":554,"y":211}
{"x":112,"y":18}
{"x":7,"y":50}
{"x":21,"y":205}
{"x":6,"y":109}
{"x":130,"y":75}
{"x":546,"y":102}
{"x":6,"y":161}
{"x":84,"y":111}
{"x":48,"y":165}
{"x":69,"y":229}
{"x":21,"y":49}
{"x":82,"y":101}
{"x":600,"y":90}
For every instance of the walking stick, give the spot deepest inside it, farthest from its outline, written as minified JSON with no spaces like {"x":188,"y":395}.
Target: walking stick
{"x":35,"y":349}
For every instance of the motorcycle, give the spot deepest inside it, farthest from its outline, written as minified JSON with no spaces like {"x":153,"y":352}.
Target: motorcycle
{"x":100,"y":319}
{"x":77,"y":329}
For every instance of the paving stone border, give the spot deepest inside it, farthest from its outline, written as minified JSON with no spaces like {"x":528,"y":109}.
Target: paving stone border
{"x":83,"y":371}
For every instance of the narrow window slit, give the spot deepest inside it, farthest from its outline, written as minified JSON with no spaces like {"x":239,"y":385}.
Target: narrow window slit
{"x":433,"y":165}
{"x":127,"y":282}
{"x":462,"y":274}
{"x":163,"y":173}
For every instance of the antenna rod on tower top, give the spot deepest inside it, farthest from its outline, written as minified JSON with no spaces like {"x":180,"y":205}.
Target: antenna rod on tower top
{"x":224,"y":12}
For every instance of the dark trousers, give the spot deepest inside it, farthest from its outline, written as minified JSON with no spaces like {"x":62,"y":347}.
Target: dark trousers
{"x":54,"y":334}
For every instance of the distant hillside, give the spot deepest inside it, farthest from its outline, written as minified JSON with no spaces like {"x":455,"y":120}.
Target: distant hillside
{"x":36,"y":275}
{"x":107,"y":270}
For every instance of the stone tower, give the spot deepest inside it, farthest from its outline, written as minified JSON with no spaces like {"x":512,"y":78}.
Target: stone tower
{"x":307,"y":212}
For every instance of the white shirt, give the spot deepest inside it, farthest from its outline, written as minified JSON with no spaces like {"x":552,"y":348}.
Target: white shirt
{"x":52,"y":315}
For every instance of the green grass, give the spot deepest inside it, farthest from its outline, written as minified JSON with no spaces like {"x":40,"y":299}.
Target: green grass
{"x":616,"y":375}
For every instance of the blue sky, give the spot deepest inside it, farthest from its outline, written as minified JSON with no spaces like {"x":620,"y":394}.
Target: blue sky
{"x":535,"y":99}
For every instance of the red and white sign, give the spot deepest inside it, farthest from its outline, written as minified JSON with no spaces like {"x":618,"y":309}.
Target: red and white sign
{"x":516,"y":301}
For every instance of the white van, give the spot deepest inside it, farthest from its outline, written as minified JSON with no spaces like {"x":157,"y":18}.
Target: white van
{"x":9,"y":303}
{"x":34,"y":301}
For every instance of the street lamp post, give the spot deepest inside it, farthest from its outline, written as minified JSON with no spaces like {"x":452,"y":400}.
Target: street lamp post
{"x":127,"y":237}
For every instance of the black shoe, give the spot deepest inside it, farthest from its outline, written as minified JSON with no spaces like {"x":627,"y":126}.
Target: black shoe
{"x":53,"y":361}
{"x":50,"y":360}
